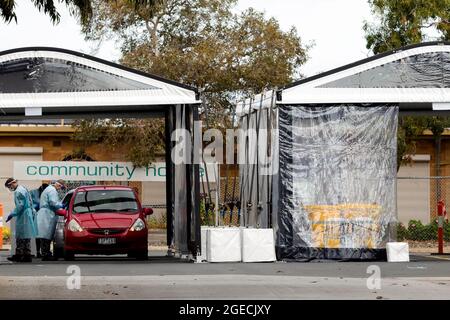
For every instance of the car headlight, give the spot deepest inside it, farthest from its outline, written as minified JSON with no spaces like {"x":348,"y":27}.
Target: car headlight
{"x":138,"y":225}
{"x":74,"y":226}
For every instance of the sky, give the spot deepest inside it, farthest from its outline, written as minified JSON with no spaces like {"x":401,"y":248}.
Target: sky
{"x":333,"y":27}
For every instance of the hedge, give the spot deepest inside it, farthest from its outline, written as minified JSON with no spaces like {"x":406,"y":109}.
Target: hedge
{"x":418,"y":231}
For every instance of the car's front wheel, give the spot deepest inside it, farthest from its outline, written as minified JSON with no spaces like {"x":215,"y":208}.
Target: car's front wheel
{"x":139,"y":255}
{"x":69,"y":255}
{"x":58,"y":252}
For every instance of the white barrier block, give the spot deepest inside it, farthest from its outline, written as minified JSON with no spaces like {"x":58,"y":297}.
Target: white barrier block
{"x":223,"y":245}
{"x":258,"y":245}
{"x":397,"y":252}
{"x":204,"y":243}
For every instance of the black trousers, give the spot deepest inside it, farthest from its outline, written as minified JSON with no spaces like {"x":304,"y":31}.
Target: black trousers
{"x":23,"y":247}
{"x":45,"y":247}
{"x":38,"y":247}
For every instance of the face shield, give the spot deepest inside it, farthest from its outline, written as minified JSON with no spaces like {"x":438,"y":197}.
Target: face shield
{"x":10,"y":186}
{"x":60,"y":186}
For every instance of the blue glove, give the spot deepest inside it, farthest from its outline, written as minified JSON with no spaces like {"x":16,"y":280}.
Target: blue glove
{"x":10,"y":216}
{"x":60,"y":206}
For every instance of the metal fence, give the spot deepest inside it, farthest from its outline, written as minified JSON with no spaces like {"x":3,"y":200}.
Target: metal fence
{"x":417,"y":205}
{"x":229,"y":211}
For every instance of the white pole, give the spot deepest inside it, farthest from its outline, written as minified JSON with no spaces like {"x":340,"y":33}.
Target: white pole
{"x":216,"y":207}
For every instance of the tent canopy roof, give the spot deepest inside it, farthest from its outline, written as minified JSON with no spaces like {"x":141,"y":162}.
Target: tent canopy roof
{"x":413,"y":74}
{"x":415,"y":77}
{"x":57,"y":80}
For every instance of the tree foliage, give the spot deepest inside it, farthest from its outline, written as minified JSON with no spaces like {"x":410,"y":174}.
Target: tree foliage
{"x":406,"y":22}
{"x":202,"y":43}
{"x":143,"y":139}
{"x":402,"y":23}
{"x":79,"y":8}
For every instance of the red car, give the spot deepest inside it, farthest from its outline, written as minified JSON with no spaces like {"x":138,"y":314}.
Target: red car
{"x":104,"y":220}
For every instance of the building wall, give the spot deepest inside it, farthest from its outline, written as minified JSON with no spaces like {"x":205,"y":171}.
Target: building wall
{"x":413,"y":195}
{"x":55,"y":148}
{"x":6,"y":168}
{"x":426,"y":145}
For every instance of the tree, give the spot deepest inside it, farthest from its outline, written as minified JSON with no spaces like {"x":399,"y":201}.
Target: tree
{"x":144,"y":139}
{"x":408,"y":130}
{"x":402,"y":23}
{"x":406,"y":22}
{"x":81,"y":8}
{"x":204,"y":44}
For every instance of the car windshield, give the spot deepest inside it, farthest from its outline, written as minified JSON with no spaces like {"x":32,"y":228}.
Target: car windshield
{"x":98,"y":201}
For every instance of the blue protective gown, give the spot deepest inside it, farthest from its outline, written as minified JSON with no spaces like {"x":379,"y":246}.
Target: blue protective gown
{"x":35,"y":197}
{"x":25,"y":214}
{"x":46,"y":217}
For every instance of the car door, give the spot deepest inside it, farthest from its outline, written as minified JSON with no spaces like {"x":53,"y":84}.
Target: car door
{"x":59,"y":232}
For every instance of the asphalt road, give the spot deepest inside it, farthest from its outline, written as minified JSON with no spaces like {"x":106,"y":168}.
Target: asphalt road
{"x":169,"y":278}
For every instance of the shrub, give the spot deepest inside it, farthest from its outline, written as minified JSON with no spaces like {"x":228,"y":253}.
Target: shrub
{"x":417,"y":231}
{"x":157,"y":222}
{"x":206,"y":217}
{"x":402,"y":232}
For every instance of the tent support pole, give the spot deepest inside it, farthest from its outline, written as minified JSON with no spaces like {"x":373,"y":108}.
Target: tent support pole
{"x":169,"y":175}
{"x":189,"y":200}
{"x":196,"y":186}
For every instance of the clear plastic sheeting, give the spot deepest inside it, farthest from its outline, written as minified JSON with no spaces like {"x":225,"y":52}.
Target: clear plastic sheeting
{"x":28,"y":75}
{"x":426,"y":70}
{"x":180,"y":223}
{"x":337,"y":181}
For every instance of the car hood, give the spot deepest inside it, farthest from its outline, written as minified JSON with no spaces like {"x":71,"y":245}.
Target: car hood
{"x":105,"y":220}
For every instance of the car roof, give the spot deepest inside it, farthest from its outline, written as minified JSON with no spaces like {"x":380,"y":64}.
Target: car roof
{"x":102,"y":187}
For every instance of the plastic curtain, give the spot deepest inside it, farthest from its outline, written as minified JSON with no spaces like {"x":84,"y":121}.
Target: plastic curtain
{"x":337,"y":181}
{"x":259,"y":172}
{"x":181,"y":198}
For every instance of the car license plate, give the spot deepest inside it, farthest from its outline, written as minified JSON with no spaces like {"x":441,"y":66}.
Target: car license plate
{"x":107,"y":241}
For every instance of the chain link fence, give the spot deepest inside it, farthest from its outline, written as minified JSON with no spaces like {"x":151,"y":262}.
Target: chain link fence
{"x":229,"y":210}
{"x":417,"y":205}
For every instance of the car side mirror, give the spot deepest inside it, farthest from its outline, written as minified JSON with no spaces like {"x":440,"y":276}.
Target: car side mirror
{"x":148,"y":211}
{"x":61,"y":212}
